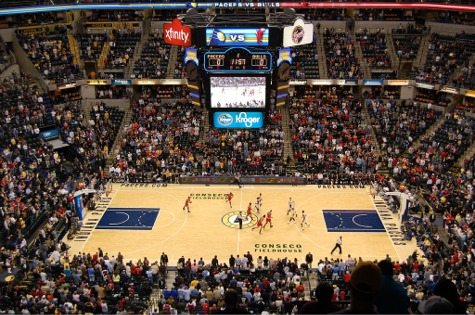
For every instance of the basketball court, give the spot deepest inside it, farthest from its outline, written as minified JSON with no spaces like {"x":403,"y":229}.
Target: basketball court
{"x":144,"y":220}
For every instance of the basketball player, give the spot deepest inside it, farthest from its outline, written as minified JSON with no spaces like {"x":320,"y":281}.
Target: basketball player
{"x":187,"y":204}
{"x":291,"y":206}
{"x":293,"y":215}
{"x":229,"y":198}
{"x":258,"y":204}
{"x":249,"y":211}
{"x":304,"y":220}
{"x":259,"y":224}
{"x":268,"y":219}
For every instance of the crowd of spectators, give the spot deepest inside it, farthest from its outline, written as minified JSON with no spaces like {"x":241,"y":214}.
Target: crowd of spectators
{"x":40,"y":18}
{"x":90,"y":46}
{"x":105,"y":121}
{"x":246,"y":152}
{"x":153,"y":63}
{"x":305,"y":62}
{"x":115,"y":15}
{"x":51,"y":55}
{"x":103,"y":92}
{"x":399,"y":123}
{"x":456,"y":17}
{"x":328,"y":137}
{"x":319,"y":15}
{"x":340,"y":55}
{"x":407,"y":41}
{"x":37,"y":184}
{"x":432,"y":97}
{"x":374,"y":48}
{"x":445,"y":53}
{"x":122,"y":48}
{"x":384,"y":15}
{"x":437,"y":153}
{"x":161,"y":140}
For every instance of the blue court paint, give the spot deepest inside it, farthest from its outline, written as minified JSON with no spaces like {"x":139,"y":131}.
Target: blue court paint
{"x":128,"y":219}
{"x":353,"y":221}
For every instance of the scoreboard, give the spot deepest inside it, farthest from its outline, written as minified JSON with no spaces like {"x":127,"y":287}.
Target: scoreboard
{"x":237,"y":60}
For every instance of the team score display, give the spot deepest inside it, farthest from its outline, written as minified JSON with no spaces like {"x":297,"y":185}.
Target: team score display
{"x":238,"y":59}
{"x":259,"y":61}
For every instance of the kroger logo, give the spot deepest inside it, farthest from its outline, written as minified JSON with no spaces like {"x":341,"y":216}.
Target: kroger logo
{"x":247,"y":121}
{"x":225,"y":119}
{"x":238,"y":119}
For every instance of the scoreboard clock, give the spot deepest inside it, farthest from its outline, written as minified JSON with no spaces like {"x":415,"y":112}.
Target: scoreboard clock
{"x":238,"y":60}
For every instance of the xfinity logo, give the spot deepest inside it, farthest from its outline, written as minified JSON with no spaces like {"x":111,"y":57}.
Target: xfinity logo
{"x":172,"y":34}
{"x":247,"y":121}
{"x":177,"y":33}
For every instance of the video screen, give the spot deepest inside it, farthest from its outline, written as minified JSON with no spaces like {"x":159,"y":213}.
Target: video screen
{"x":238,"y":92}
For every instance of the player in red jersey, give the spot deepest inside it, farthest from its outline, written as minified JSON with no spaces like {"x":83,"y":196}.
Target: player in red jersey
{"x":249,"y":211}
{"x":259,"y":224}
{"x":268,"y":219}
{"x":187,"y":204}
{"x":229,"y":198}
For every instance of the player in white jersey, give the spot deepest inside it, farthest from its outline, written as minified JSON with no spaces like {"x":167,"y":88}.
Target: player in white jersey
{"x":304,"y":222}
{"x":258,"y":204}
{"x":291,"y":206}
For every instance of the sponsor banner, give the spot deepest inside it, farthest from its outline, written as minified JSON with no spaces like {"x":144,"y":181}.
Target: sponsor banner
{"x":175,"y":33}
{"x":49,"y":134}
{"x":351,"y":82}
{"x":67,"y":86}
{"x":191,"y":54}
{"x":450,"y":90}
{"x":397,"y":82}
{"x":242,"y":120}
{"x":425,"y":86}
{"x":373,"y":82}
{"x":243,"y":180}
{"x":285,"y":54}
{"x":469,"y":93}
{"x":298,"y":34}
{"x":237,"y":37}
{"x":145,"y":82}
{"x":97,"y":82}
{"x":121,"y":82}
{"x":322,"y":82}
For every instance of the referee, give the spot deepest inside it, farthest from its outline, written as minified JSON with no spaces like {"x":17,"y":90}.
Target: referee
{"x":338,"y":244}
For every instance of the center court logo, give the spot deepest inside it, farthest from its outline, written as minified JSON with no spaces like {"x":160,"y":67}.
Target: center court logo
{"x":225,"y":119}
{"x":230,"y":220}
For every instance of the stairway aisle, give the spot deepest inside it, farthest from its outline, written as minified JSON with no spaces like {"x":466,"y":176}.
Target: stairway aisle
{"x":422,"y":52}
{"x":368,"y":121}
{"x":322,"y":60}
{"x":362,"y":60}
{"x":118,"y":139}
{"x":73,"y":45}
{"x":139,"y":47}
{"x":392,"y":51}
{"x":432,"y":129}
{"x":288,"y":151}
{"x":172,"y":62}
